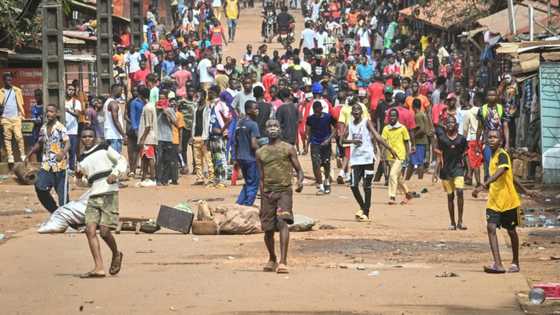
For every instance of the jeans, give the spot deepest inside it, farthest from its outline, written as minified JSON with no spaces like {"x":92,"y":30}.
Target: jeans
{"x":487,"y":152}
{"x":232,"y":25}
{"x":230,"y":148}
{"x":45,"y":182}
{"x":365,"y":173}
{"x":116,"y":144}
{"x":166,"y":162}
{"x":74,"y":141}
{"x":249,"y":191}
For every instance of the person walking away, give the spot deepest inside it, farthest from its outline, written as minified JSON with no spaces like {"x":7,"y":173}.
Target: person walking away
{"x":245,"y":142}
{"x":217,"y":9}
{"x":360,"y":133}
{"x":114,"y":120}
{"x":422,"y":134}
{"x":37,"y":113}
{"x":453,"y":147}
{"x":165,"y":157}
{"x":276,"y":162}
{"x":265,"y":113}
{"x":232,"y":15}
{"x":396,"y":135}
{"x":320,"y":131}
{"x":102,"y":166}
{"x":217,"y":39}
{"x":73,"y":109}
{"x":55,"y":144}
{"x":503,"y":202}
{"x":201,"y":134}
{"x":147,"y":142}
{"x":219,"y":120}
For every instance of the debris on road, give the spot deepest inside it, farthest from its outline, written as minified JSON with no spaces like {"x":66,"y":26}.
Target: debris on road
{"x":25,"y":175}
{"x":327,"y":227}
{"x":374,"y":273}
{"x":302,"y":223}
{"x":2,"y":237}
{"x":447,"y":274}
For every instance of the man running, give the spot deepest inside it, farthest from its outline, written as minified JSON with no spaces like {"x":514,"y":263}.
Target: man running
{"x":275,"y":162}
{"x":103,"y":166}
{"x":360,"y":134}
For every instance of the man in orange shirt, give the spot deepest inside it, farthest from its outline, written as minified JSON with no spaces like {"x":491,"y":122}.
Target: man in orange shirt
{"x":415,"y":95}
{"x":376,"y":92}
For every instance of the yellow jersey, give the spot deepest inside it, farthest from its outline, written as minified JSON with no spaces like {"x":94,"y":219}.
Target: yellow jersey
{"x":232,"y":11}
{"x":396,"y":136}
{"x":502,"y":195}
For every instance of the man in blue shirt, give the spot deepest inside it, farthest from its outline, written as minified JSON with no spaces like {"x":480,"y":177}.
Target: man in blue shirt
{"x":136,"y":107}
{"x":245,"y":142}
{"x":365,"y":73}
{"x":168,"y":65}
{"x":320,"y":130}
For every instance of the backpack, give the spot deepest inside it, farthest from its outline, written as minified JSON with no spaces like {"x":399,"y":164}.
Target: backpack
{"x":485,"y":110}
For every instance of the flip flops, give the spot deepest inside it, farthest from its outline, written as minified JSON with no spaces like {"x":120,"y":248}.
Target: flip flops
{"x":493,"y":270}
{"x":116,"y":264}
{"x":270,"y":266}
{"x":92,"y":274}
{"x":461,"y":227}
{"x":282,"y":269}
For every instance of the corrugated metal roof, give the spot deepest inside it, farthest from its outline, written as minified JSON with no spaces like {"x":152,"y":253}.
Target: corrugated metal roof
{"x":439,"y":14}
{"x":499,"y":21}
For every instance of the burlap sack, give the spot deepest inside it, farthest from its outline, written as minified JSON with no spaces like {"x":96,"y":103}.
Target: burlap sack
{"x":237,"y":219}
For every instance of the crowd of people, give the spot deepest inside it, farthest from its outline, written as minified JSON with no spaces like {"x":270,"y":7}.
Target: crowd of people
{"x":392,"y":101}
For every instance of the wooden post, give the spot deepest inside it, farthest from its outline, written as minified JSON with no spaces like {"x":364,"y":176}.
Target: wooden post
{"x":53,"y":56}
{"x":137,"y":22}
{"x":104,"y":53}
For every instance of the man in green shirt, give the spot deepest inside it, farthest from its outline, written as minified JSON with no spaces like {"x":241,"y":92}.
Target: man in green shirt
{"x":187,"y":107}
{"x":275,"y":162}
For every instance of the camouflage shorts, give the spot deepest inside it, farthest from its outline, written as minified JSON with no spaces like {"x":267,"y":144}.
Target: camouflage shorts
{"x":103,"y":210}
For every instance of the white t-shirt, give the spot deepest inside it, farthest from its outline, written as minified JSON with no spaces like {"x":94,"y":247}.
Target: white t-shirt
{"x":133,"y":61}
{"x":308,"y":36}
{"x":71,"y":121}
{"x":363,"y":34}
{"x":315,"y":10}
{"x":203,"y":67}
{"x":362,"y":154}
{"x":216,"y":3}
{"x":10,"y":104}
{"x":321,"y":40}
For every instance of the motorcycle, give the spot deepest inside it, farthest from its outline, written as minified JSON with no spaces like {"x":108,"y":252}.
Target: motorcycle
{"x":269,"y":23}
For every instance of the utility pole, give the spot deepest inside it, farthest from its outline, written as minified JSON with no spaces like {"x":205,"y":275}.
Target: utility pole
{"x":53,"y":55}
{"x":511,"y":14}
{"x":137,"y":22}
{"x":104,"y":51}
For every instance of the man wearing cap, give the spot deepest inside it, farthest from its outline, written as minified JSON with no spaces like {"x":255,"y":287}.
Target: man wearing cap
{"x":317,"y":90}
{"x":11,"y":110}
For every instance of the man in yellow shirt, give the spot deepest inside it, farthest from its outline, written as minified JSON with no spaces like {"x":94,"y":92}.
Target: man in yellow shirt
{"x":232,"y":14}
{"x":176,"y":138}
{"x":11,"y":113}
{"x":396,"y":135}
{"x":503,"y":203}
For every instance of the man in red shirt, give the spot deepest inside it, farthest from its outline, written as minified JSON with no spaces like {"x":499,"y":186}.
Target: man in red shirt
{"x":406,"y":116}
{"x":268,"y":80}
{"x":375,"y":91}
{"x":139,"y":77}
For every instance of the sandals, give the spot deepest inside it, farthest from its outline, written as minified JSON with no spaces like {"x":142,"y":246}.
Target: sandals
{"x":116,"y":264}
{"x":92,"y":274}
{"x":452,"y":227}
{"x":270,"y":266}
{"x":514,"y":268}
{"x":493,"y":270}
{"x":282,"y":269}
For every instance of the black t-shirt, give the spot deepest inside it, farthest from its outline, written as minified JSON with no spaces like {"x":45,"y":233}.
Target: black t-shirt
{"x":453,"y":156}
{"x":199,"y":121}
{"x":265,"y":110}
{"x":284,"y":20}
{"x":288,"y":116}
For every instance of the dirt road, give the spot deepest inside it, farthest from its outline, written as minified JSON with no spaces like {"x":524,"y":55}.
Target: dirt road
{"x":390,"y":266}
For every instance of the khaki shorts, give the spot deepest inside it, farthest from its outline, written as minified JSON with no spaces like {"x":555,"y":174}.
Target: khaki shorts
{"x":276,"y":206}
{"x":103,"y":210}
{"x":450,"y":185}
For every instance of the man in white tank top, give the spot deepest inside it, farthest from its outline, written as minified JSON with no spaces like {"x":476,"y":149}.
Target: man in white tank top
{"x":360,"y":134}
{"x":114,"y":120}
